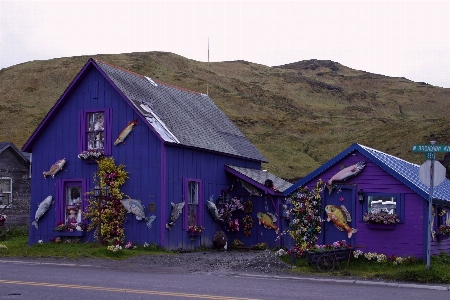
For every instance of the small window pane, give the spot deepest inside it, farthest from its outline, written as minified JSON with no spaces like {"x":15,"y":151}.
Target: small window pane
{"x":73,"y":204}
{"x":5,"y":184}
{"x":95,"y":135}
{"x":192,"y":202}
{"x":377,"y":204}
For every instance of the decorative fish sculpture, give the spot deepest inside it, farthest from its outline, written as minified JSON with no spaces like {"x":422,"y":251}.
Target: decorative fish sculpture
{"x":212,"y":208}
{"x":267,"y":220}
{"x":340,"y":217}
{"x":345,"y":174}
{"x":127,"y":130}
{"x":55,"y":168}
{"x":136,"y":208}
{"x":176,"y":211}
{"x":42,"y":209}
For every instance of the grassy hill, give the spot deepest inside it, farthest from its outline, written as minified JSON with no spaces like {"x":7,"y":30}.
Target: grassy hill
{"x":298,"y":115}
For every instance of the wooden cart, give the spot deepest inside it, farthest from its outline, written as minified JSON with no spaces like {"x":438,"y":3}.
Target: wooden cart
{"x":327,"y":260}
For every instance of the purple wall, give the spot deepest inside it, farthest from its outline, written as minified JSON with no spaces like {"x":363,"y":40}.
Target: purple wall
{"x":408,"y":237}
{"x":156,"y":170}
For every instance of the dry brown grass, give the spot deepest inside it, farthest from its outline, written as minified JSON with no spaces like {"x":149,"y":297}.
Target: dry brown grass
{"x":298,"y":115}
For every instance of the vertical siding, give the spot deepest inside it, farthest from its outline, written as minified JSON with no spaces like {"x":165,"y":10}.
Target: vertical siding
{"x":209,"y":167}
{"x":145,"y":158}
{"x":373,"y":179}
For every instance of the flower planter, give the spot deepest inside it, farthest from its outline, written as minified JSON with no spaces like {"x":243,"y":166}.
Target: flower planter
{"x":377,"y":226}
{"x":194,"y":235}
{"x":70,"y":233}
{"x":442,"y":237}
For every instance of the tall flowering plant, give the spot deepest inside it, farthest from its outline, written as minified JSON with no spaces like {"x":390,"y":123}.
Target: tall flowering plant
{"x":109,"y":209}
{"x":306,"y":216}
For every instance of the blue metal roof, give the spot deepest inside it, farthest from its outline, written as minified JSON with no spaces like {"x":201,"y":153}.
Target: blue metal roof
{"x":406,"y":172}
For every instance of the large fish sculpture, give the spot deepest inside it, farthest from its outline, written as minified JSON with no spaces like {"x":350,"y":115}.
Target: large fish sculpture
{"x":176,"y":211}
{"x":55,"y":168}
{"x":345,"y":173}
{"x":124,"y":134}
{"x":267,"y":220}
{"x":212,"y":208}
{"x":42,"y":209}
{"x":340,"y":217}
{"x":136,"y":208}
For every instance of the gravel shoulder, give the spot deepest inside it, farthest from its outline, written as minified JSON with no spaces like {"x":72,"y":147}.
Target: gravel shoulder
{"x":262,"y":261}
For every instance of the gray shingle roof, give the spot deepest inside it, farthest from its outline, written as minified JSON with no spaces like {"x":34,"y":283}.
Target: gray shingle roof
{"x":181,"y":116}
{"x":6,"y":145}
{"x":406,"y":172}
{"x":260,"y":176}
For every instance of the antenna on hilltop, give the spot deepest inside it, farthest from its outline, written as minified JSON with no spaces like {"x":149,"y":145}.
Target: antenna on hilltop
{"x":207,"y":83}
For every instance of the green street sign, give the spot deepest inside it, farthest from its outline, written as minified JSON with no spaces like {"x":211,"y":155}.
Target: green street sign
{"x":431,"y":148}
{"x":430,"y":155}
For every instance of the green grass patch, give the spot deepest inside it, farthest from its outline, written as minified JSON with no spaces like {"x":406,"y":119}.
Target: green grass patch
{"x":413,"y":270}
{"x":15,"y":244}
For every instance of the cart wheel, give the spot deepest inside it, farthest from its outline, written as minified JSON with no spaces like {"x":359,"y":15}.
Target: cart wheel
{"x":325,"y":263}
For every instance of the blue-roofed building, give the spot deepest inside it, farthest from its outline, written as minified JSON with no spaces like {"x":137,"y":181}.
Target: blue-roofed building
{"x":181,"y":148}
{"x":380,"y":183}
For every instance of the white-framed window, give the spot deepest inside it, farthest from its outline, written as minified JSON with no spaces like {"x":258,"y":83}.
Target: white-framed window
{"x":6,"y":189}
{"x":385,"y":204}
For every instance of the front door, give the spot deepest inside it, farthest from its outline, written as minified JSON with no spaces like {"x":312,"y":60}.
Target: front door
{"x":340,"y":203}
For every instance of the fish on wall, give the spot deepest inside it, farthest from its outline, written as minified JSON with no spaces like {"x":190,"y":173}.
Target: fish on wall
{"x":267,"y":220}
{"x":125,"y":132}
{"x":345,"y":174}
{"x":212,"y":208}
{"x":136,"y":208}
{"x":176,"y":211}
{"x":340,"y":218}
{"x":55,"y":168}
{"x":42,"y":209}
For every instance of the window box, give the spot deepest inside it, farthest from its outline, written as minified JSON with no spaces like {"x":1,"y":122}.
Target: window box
{"x":378,"y":226}
{"x":70,"y":233}
{"x":443,"y":237}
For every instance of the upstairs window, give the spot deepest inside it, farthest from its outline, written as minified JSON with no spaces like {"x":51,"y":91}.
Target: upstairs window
{"x":95,"y":130}
{"x":6,"y":189}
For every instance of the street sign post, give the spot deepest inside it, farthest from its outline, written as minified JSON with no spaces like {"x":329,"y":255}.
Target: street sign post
{"x":431,"y":148}
{"x":431,"y":173}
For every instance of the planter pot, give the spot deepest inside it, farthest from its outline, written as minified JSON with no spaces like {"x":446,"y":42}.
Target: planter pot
{"x":70,"y":233}
{"x":442,"y":237}
{"x":377,"y":226}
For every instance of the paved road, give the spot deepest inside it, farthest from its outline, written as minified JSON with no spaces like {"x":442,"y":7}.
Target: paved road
{"x":43,"y":280}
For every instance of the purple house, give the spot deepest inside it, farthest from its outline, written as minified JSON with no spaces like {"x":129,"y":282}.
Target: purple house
{"x":366,"y":180}
{"x":181,"y":149}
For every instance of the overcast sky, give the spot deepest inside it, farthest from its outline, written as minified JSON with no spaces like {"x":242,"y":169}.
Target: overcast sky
{"x":395,"y":38}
